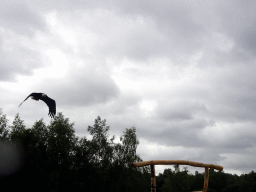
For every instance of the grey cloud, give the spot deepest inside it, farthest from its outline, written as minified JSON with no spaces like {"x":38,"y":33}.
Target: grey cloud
{"x":18,"y":16}
{"x":238,"y":143}
{"x":233,"y":92}
{"x":183,"y":133}
{"x":172,"y":16}
{"x":170,"y":28}
{"x":177,"y":21}
{"x":178,"y":109}
{"x":21,"y":61}
{"x":244,"y":162}
{"x":83,"y":88}
{"x":17,"y":60}
{"x":122,"y":105}
{"x":235,"y":26}
{"x":238,"y":21}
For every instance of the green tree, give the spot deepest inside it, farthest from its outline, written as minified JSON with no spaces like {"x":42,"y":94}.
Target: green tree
{"x":122,"y":177}
{"x":17,"y":128}
{"x":3,"y":126}
{"x":125,"y":153}
{"x":248,"y":182}
{"x":217,"y":180}
{"x":11,"y":157}
{"x":161,"y":178}
{"x":54,"y":159}
{"x":83,"y":153}
{"x":101,"y":145}
{"x":130,"y":143}
{"x":178,"y":181}
{"x":41,"y":133}
{"x":39,"y":146}
{"x":198,"y":183}
{"x":61,"y":152}
{"x":176,"y":168}
{"x":86,"y":173}
{"x":61,"y":140}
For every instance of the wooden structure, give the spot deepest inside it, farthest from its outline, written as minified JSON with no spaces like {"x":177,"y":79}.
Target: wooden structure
{"x":176,"y":162}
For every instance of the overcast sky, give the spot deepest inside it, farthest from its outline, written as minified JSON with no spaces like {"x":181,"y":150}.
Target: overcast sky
{"x":181,"y":72}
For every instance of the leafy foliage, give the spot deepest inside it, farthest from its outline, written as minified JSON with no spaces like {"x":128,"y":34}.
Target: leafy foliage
{"x":102,"y":146}
{"x":176,"y":180}
{"x":3,"y":126}
{"x":55,"y":159}
{"x":52,"y":158}
{"x":126,"y":152}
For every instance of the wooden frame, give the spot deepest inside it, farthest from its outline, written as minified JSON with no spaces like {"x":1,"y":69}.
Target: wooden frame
{"x":176,"y":162}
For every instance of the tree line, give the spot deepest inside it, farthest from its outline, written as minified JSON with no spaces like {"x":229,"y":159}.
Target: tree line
{"x":52,"y":158}
{"x":176,"y":180}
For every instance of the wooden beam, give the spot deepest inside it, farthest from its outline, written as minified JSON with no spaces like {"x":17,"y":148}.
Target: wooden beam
{"x":176,"y":162}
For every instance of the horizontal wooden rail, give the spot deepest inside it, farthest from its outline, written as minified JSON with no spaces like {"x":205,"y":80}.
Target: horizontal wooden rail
{"x":176,"y":162}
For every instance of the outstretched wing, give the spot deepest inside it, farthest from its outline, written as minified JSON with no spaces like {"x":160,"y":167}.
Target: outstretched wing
{"x":26,"y":99}
{"x":51,"y":104}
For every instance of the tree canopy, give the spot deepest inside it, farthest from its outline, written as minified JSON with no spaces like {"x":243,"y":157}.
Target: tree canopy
{"x":52,"y":158}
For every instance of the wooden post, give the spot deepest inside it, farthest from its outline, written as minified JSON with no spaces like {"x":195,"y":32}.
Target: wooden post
{"x":206,"y":179}
{"x":153,"y":178}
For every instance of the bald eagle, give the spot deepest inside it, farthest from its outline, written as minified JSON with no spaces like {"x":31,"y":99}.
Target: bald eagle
{"x":49,"y":102}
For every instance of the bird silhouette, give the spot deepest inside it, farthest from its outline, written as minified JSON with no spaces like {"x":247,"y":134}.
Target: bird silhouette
{"x":49,"y":102}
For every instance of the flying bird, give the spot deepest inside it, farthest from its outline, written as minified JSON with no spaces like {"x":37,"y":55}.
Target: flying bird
{"x":49,"y":102}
